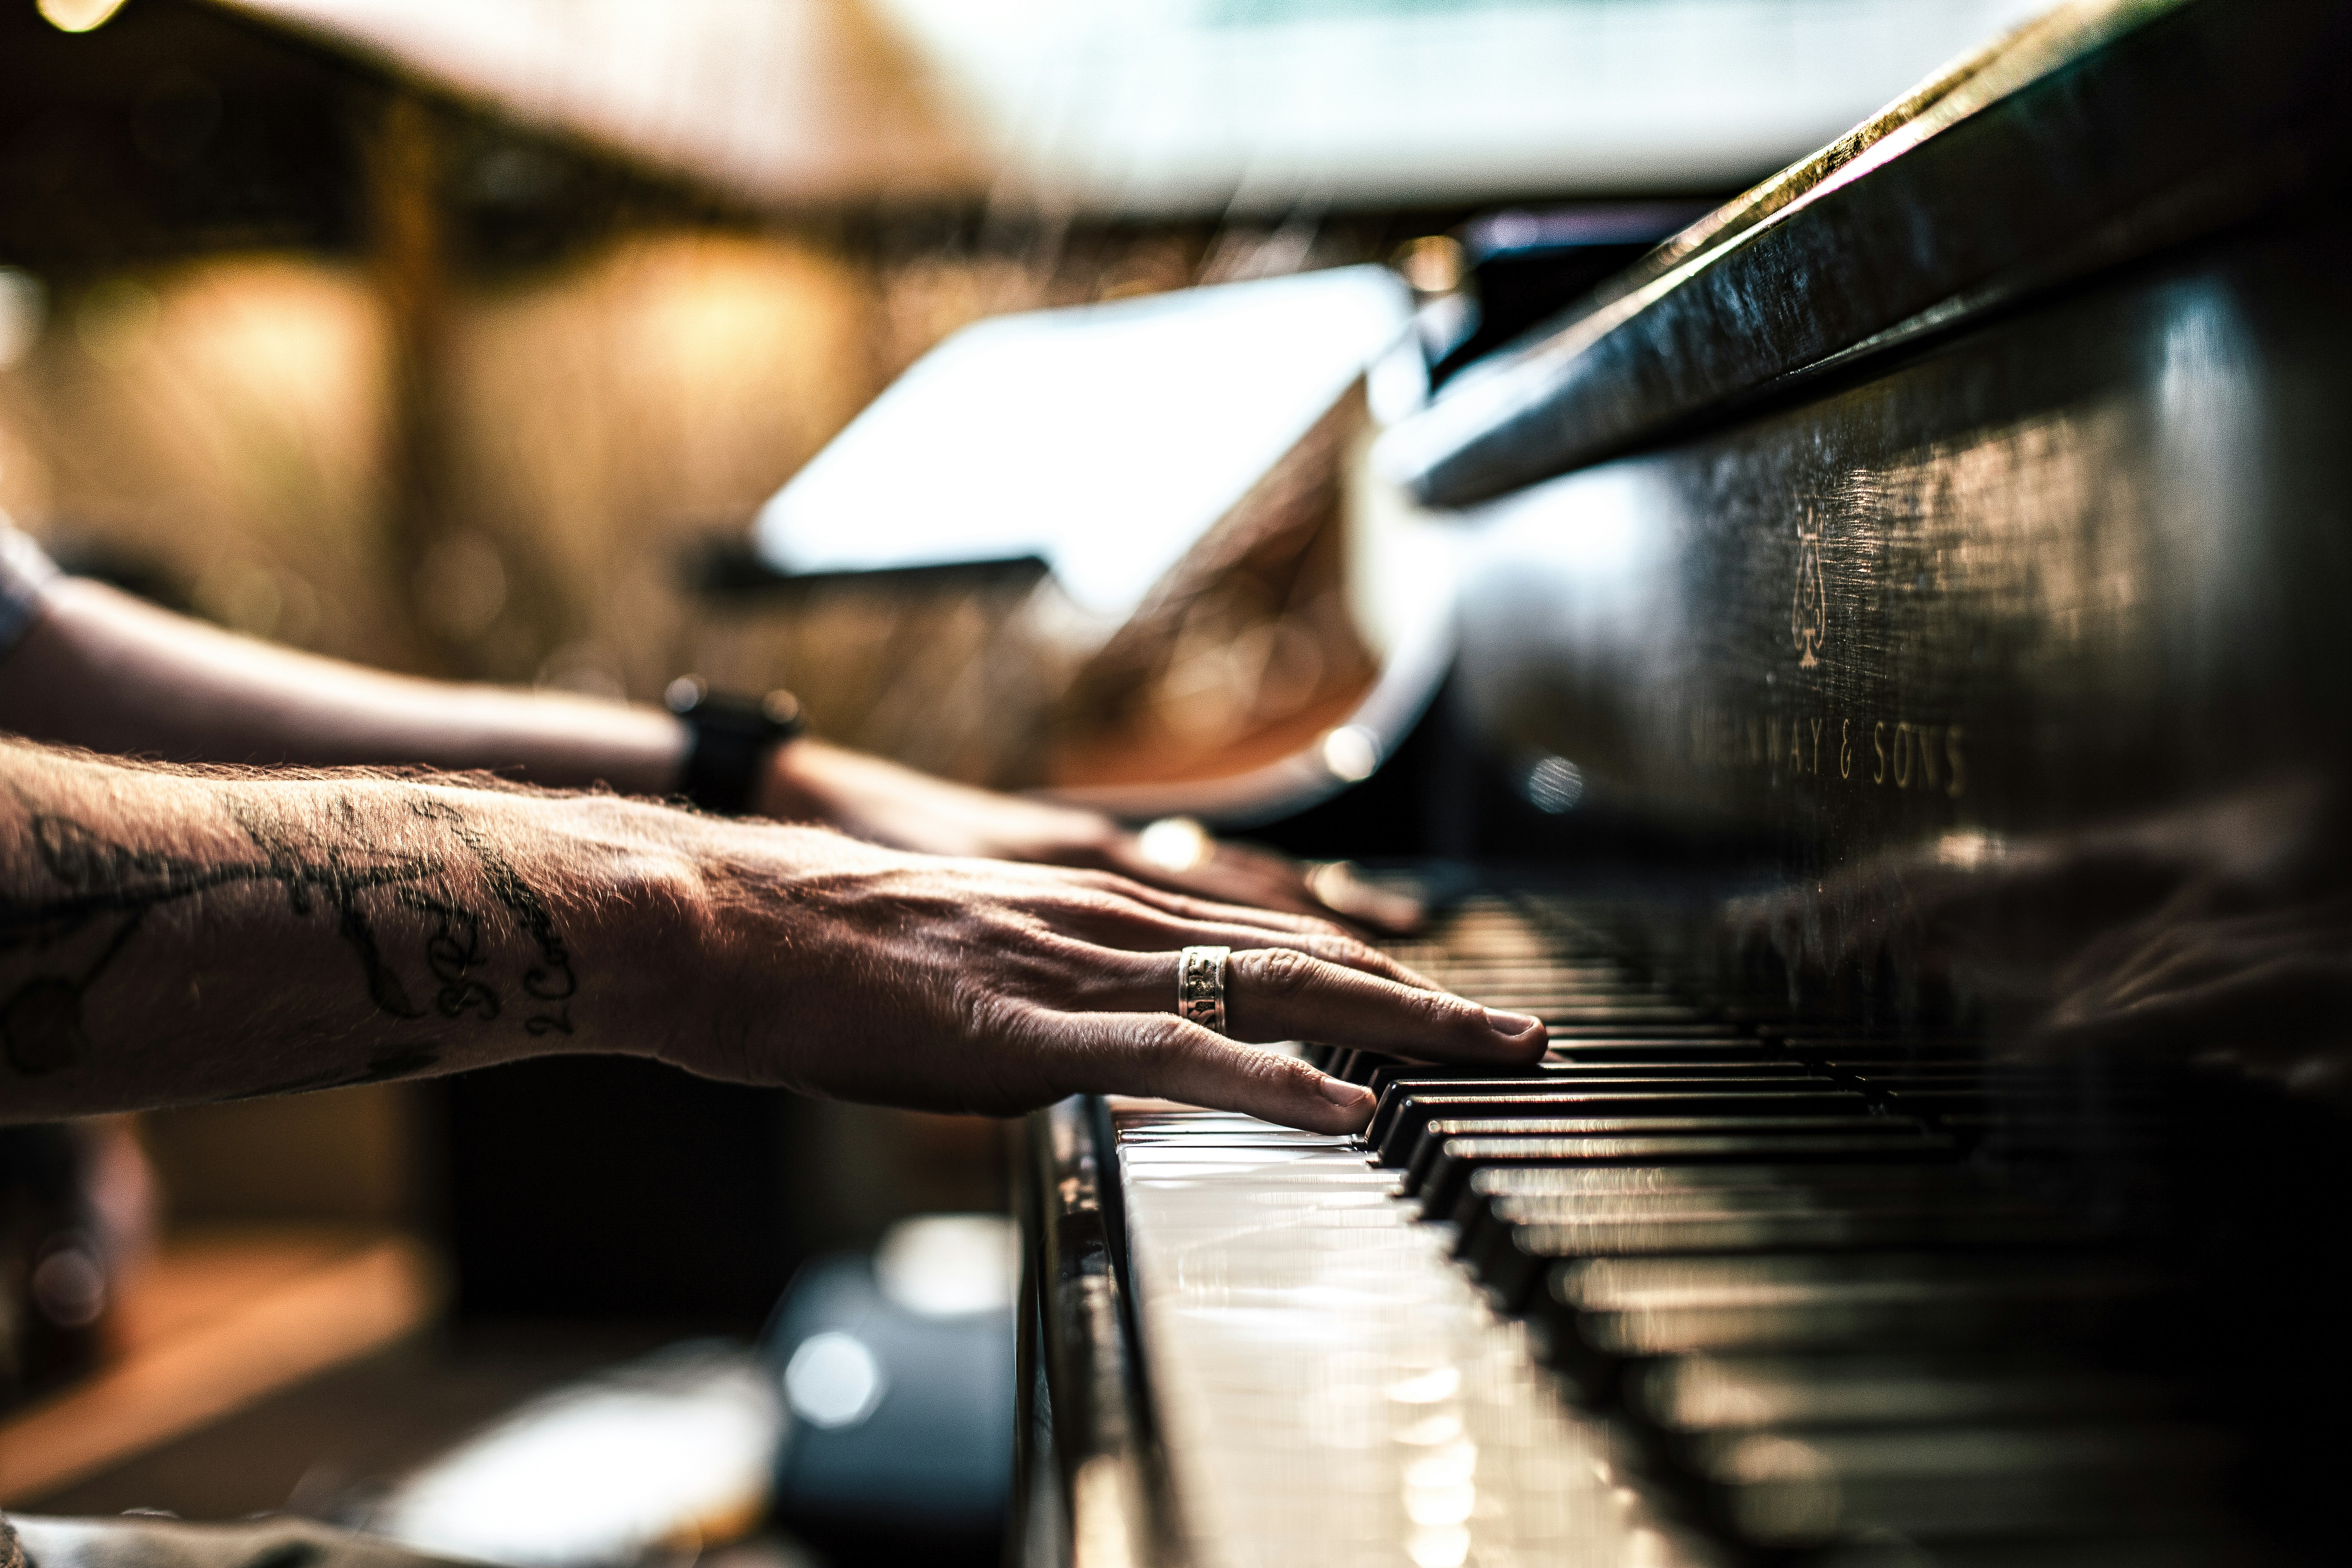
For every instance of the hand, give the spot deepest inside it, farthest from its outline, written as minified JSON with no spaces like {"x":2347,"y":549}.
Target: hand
{"x":843,"y":969}
{"x":886,"y":804}
{"x":2212,"y":976}
{"x":2216,"y":933}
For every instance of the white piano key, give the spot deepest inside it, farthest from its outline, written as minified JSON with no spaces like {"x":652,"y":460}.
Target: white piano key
{"x":1331,"y":1387}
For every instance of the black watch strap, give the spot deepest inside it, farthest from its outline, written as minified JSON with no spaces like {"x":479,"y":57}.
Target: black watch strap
{"x":732,"y":737}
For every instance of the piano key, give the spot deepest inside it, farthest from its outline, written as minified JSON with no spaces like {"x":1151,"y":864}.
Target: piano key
{"x":1394,"y":1137}
{"x":1500,"y":1197}
{"x":1618,"y":1308}
{"x":1876,"y":1047}
{"x":1612,"y":1118}
{"x":1393,"y":1088}
{"x":1504,"y":1182}
{"x":1516,"y":1258}
{"x":1570,"y":1033}
{"x":1457,"y":1159}
{"x":1331,"y":1385}
{"x":1555,"y":1069}
{"x":1745,"y":1393}
{"x":2121,"y":1547}
{"x":1677,"y":1046}
{"x":1784,"y":1489}
{"x":1645,"y":1015}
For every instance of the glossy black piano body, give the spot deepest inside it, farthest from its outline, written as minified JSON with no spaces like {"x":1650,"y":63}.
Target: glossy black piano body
{"x":1947,"y":548}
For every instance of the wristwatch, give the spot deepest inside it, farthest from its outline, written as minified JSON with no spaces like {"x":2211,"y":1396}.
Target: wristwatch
{"x":731,"y":739}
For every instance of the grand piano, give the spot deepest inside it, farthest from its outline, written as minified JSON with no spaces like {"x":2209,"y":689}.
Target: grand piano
{"x":1931,"y":563}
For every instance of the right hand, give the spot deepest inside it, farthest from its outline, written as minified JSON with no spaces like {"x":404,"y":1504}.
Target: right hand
{"x":840,"y":968}
{"x":886,"y":804}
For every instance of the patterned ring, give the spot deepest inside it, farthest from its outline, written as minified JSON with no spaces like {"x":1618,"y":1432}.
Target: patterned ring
{"x":1201,"y":986}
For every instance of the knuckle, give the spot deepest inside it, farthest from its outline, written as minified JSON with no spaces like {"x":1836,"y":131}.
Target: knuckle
{"x":984,"y":1013}
{"x":1282,"y":971}
{"x":1162,"y":1035}
{"x":1442,"y":1007}
{"x":1288,"y":1073}
{"x":1338,"y":947}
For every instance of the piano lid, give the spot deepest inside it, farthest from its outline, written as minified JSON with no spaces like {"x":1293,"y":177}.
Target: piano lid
{"x":2100,"y":131}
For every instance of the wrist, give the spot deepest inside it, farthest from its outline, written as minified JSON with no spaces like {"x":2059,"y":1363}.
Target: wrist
{"x":797,"y":785}
{"x":627,"y":890}
{"x":730,"y":742}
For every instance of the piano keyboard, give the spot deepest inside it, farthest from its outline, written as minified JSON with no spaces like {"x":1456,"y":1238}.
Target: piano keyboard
{"x":1692,"y":1290}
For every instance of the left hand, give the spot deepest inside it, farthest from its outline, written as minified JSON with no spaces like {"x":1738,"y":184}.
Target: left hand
{"x":885,"y":803}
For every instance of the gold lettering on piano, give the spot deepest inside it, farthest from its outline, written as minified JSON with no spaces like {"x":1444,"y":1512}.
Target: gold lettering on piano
{"x":1808,"y":624}
{"x":1905,"y":754}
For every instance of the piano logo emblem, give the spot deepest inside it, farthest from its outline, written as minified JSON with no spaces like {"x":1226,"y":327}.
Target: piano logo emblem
{"x":1809,"y":611}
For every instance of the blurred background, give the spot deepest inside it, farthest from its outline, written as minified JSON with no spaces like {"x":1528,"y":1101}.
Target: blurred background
{"x":467,"y":337}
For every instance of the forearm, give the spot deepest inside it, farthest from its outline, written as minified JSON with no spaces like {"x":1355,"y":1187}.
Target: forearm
{"x":104,"y":671}
{"x":170,"y":936}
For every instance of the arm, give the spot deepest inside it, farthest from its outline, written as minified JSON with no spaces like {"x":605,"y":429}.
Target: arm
{"x":102,"y":670}
{"x":169,"y":935}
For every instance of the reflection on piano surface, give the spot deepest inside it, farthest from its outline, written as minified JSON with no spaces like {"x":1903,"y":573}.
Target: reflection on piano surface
{"x":1936,"y":561}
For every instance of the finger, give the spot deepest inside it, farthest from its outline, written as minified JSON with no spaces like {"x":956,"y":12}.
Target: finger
{"x":1137,"y":929}
{"x":1281,"y":994}
{"x":1343,"y":890}
{"x":1237,"y":873}
{"x":1163,"y":1055}
{"x":1195,"y":893}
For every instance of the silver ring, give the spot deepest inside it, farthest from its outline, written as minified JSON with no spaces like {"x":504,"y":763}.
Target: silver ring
{"x":1201,"y":986}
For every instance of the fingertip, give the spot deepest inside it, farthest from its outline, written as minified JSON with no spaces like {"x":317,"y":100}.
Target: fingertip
{"x":1516,"y":1036}
{"x":1351,"y":1102}
{"x":1513,"y":1026}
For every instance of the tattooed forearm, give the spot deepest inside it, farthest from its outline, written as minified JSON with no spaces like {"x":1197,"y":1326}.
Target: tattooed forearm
{"x":439,"y":925}
{"x":553,"y":982}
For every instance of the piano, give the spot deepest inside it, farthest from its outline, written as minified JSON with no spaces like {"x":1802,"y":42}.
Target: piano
{"x":1935,"y":561}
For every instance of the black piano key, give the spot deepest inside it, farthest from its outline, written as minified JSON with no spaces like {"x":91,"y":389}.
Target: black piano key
{"x":1633,"y":1019}
{"x":1362,"y":1066}
{"x":1564,"y":989}
{"x":1576,"y":1180}
{"x":1699,"y":1026}
{"x":1746,"y":1393}
{"x":1534,"y":992}
{"x":1555,"y":1069}
{"x":1869,"y":1048}
{"x":1600,"y":1049}
{"x":2123,"y":1547}
{"x":1616,"y":1117}
{"x":1782,"y":1489}
{"x":1502,"y":1196}
{"x":1448,"y":1173}
{"x":1623,"y":1308}
{"x":1393,"y":1087}
{"x":1395,"y":1140}
{"x":1517,"y":1258}
{"x":2120,"y":1118}
{"x":1392,"y":1083}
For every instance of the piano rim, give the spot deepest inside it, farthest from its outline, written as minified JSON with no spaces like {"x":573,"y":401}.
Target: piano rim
{"x":1091,"y":1482}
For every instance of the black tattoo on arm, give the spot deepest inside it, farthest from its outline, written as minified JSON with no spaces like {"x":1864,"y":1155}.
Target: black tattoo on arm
{"x":106,"y":891}
{"x":552,"y":983}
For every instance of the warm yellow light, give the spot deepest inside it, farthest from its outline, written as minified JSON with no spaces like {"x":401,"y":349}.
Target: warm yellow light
{"x":78,"y":16}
